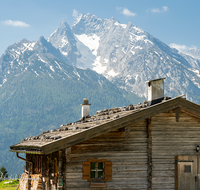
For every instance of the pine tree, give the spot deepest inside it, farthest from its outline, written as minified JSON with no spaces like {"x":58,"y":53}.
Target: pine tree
{"x":3,"y":172}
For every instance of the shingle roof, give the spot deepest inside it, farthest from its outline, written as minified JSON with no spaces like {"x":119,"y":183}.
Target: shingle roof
{"x":73,"y":133}
{"x":84,"y":123}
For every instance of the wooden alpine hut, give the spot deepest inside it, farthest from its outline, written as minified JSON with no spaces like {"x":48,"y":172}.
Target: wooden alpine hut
{"x":154,"y":146}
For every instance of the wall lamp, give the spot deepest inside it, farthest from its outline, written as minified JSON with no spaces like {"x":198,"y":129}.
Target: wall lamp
{"x":197,"y":148}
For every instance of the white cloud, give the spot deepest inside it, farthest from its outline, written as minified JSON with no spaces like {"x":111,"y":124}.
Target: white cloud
{"x":159,"y":10}
{"x":155,"y":10}
{"x":165,"y":8}
{"x":15,"y":23}
{"x":125,"y":11}
{"x":75,"y":13}
{"x":181,"y":47}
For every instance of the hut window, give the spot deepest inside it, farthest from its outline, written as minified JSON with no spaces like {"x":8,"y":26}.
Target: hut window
{"x":97,"y":170}
{"x":187,"y":169}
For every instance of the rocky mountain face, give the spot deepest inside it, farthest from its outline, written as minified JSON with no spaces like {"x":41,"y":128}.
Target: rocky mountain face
{"x":26,"y":55}
{"x":193,"y":52}
{"x":128,"y":56}
{"x":193,"y":57}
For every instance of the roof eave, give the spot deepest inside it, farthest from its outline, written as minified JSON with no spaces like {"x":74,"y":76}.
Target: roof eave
{"x":26,"y":151}
{"x":24,"y":146}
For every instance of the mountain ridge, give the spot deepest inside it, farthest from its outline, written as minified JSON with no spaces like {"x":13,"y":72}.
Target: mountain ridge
{"x":126,"y":48}
{"x":124,"y":53}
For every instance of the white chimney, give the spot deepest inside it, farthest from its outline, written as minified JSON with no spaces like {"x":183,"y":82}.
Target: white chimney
{"x":85,"y":107}
{"x":155,"y":89}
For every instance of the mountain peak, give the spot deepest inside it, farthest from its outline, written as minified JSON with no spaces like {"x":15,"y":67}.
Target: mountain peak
{"x":62,"y":29}
{"x":86,"y":22}
{"x":24,"y":40}
{"x":63,"y":22}
{"x":84,"y":18}
{"x":64,"y":25}
{"x":114,"y":20}
{"x":44,"y":44}
{"x":42,"y":39}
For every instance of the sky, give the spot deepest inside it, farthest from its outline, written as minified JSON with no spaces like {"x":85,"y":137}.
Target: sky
{"x":176,"y":23}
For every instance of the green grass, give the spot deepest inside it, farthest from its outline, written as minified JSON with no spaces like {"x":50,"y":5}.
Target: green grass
{"x":9,"y":186}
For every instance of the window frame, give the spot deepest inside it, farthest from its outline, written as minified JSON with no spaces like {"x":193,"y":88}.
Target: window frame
{"x":96,"y":170}
{"x":107,"y":166}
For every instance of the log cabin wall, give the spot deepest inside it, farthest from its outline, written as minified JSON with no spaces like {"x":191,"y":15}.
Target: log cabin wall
{"x":126,"y":149}
{"x":170,"y":139}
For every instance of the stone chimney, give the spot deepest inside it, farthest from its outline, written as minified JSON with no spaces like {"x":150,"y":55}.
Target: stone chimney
{"x":85,"y":107}
{"x":155,"y":90}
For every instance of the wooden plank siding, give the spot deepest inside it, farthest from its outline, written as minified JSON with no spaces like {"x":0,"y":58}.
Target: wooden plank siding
{"x":170,"y":139}
{"x":128,"y":156}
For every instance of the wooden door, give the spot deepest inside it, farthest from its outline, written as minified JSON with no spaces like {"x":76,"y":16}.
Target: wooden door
{"x":187,"y":173}
{"x":198,"y":172}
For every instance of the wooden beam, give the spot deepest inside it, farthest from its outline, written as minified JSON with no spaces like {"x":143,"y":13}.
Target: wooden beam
{"x":190,"y":106}
{"x":67,"y":153}
{"x":177,"y":112}
{"x":60,"y":172}
{"x":149,"y":147}
{"x":127,"y":131}
{"x":190,"y":113}
{"x":51,"y":165}
{"x":43,"y":171}
{"x":176,"y":172}
{"x":60,"y":161}
{"x":64,"y":169}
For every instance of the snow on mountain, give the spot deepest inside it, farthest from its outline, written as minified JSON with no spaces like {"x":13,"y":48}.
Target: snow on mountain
{"x":63,"y":39}
{"x":72,"y":46}
{"x":90,"y":41}
{"x":43,"y":59}
{"x":193,"y":52}
{"x":192,"y":56}
{"x":85,"y":57}
{"x":39,"y":56}
{"x":128,"y":56}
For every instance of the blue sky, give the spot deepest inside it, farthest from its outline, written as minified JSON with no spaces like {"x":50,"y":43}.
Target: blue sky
{"x":170,"y":21}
